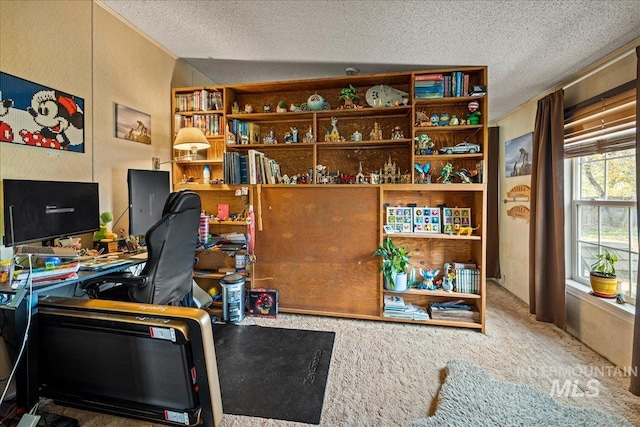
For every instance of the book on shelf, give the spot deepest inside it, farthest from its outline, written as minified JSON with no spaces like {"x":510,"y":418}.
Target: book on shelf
{"x":395,"y":307}
{"x":467,"y":280}
{"x":458,"y":310}
{"x":199,"y":100}
{"x":426,"y":77}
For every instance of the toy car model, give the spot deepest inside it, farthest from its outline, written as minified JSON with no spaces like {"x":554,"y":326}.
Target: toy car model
{"x":461,"y":148}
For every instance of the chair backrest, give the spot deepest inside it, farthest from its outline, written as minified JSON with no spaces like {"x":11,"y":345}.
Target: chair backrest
{"x":171,"y":248}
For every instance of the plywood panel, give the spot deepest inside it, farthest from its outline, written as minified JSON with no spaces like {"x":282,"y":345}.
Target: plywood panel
{"x":317,"y":245}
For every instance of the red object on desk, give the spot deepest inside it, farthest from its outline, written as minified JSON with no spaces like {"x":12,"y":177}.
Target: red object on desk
{"x":223,"y":211}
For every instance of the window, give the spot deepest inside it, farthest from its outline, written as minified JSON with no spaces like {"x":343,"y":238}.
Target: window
{"x":600,"y":148}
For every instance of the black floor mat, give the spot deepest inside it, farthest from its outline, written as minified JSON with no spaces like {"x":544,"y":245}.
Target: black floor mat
{"x":273,"y":372}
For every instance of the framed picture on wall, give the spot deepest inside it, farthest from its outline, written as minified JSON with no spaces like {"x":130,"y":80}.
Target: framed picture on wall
{"x":518,"y":155}
{"x":132,"y":124}
{"x":35,"y":115}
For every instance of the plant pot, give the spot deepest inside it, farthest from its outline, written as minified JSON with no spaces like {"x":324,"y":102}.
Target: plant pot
{"x":401,"y":282}
{"x":386,"y":283}
{"x":603,"y":286}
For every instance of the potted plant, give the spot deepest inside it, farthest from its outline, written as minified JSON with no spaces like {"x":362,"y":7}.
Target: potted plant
{"x":348,"y":95}
{"x":282,"y":106}
{"x":395,"y":261}
{"x":602,"y":275}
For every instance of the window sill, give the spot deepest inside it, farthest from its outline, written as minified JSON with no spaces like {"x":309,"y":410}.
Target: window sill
{"x":625,"y":312}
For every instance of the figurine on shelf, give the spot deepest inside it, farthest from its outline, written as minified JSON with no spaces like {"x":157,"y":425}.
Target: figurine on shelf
{"x":334,"y":136}
{"x":248,"y":109}
{"x":356,"y":136}
{"x":266,"y":108}
{"x":444,"y":119}
{"x":424,"y":145}
{"x":445,"y":173}
{"x":293,"y":108}
{"x":282,"y":107}
{"x":360,"y":176}
{"x":474,"y":113}
{"x":288,"y":139}
{"x":308,"y":137}
{"x":235,"y":109}
{"x":433,"y":121}
{"x":454,"y":121}
{"x":376,"y":133}
{"x":466,"y":176}
{"x":425,"y":177}
{"x":270,"y":138}
{"x":397,"y":133}
{"x":448,"y":277}
{"x":428,"y":276}
{"x":294,"y":134}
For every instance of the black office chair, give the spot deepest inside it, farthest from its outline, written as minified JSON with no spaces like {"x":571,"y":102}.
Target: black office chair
{"x":167,"y":277}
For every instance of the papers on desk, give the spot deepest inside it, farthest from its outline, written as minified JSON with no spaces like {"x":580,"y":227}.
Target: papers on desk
{"x":44,"y":276}
{"x":102,"y":264}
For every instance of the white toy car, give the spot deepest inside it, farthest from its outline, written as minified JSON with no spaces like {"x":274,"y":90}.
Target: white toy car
{"x":461,"y":148}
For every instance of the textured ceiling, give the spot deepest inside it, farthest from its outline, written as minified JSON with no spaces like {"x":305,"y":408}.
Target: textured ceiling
{"x":529,"y":46}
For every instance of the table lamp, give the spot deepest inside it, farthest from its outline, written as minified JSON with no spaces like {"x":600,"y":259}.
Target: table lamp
{"x":188,"y":138}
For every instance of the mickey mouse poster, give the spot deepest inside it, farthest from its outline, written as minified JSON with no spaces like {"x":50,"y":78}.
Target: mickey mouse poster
{"x":32,"y":114}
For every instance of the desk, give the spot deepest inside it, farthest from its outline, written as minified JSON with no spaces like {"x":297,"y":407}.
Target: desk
{"x":26,"y":377}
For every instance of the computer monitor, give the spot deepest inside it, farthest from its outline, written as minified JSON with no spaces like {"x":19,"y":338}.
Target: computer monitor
{"x":148,"y":191}
{"x":41,"y":210}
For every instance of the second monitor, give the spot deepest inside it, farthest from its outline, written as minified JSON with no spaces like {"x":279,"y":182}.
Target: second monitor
{"x":148,"y":192}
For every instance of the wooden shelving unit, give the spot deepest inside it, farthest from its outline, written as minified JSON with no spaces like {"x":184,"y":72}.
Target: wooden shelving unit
{"x":315,"y":242}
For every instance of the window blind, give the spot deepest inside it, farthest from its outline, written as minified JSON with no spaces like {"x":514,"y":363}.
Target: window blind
{"x":602,"y":124}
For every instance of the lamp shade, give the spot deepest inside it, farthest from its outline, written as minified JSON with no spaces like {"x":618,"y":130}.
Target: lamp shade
{"x":191,"y":139}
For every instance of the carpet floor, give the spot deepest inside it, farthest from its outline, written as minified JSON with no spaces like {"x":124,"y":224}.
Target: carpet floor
{"x":389,"y":374}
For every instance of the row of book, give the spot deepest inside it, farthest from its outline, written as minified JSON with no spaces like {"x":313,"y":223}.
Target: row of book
{"x":208,"y":123}
{"x":243,"y":132}
{"x":395,"y":307}
{"x":251,"y":168}
{"x":467,"y":280}
{"x":431,"y":86}
{"x":199,"y":100}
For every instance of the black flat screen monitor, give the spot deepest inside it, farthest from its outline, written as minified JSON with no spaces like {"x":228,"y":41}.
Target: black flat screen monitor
{"x":41,"y":210}
{"x":148,"y":191}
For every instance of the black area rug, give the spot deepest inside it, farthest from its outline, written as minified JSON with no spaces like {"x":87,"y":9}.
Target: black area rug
{"x":273,"y":372}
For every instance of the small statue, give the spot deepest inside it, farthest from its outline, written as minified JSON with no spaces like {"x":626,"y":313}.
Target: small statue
{"x":428,"y":276}
{"x":235,"y":109}
{"x":454,"y":121}
{"x":294,"y":134}
{"x":266,"y":108}
{"x":444,"y":119}
{"x":309,"y":136}
{"x":334,"y":135}
{"x":248,"y":109}
{"x":445,"y":173}
{"x":397,"y":133}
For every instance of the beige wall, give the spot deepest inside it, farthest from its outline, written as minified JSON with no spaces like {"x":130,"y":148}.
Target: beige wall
{"x":587,"y":321}
{"x":94,"y":55}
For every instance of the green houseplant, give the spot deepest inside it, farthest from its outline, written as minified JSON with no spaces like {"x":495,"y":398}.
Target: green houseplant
{"x":348,"y":95}
{"x":395,"y":260}
{"x":602,"y":275}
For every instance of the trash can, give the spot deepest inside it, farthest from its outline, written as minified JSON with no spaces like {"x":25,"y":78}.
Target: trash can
{"x":232,"y":297}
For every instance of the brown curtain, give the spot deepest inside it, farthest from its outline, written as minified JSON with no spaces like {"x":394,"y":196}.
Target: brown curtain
{"x":493,"y":204}
{"x":635,"y":357}
{"x":546,"y":230}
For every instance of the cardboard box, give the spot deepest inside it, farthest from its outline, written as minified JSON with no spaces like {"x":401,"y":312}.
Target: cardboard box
{"x":263,"y":302}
